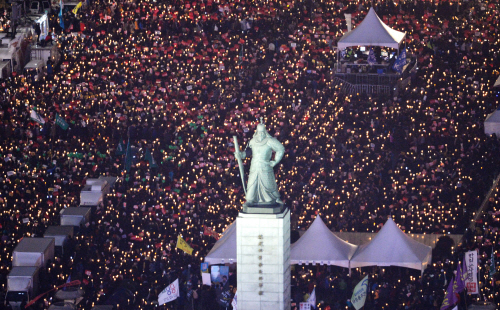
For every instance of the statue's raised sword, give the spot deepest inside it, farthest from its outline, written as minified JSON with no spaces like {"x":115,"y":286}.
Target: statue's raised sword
{"x":240,"y":163}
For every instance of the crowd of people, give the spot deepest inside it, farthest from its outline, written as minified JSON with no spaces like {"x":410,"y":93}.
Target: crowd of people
{"x":173,"y":81}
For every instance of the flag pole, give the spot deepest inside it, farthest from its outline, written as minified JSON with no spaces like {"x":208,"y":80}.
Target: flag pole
{"x":53,"y":136}
{"x":465,"y":300}
{"x":478,"y":279}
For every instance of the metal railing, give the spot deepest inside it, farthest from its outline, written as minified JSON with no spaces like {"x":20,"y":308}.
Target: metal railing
{"x":369,"y":78}
{"x":349,"y":88}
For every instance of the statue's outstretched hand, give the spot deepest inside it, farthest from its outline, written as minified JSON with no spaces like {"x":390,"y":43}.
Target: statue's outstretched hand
{"x":239,"y":155}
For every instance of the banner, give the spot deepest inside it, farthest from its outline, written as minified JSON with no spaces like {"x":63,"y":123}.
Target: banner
{"x":204,"y":268}
{"x":208,"y":231}
{"x":348,"y":21}
{"x":234,"y":302}
{"x":359,"y":294}
{"x":305,"y":306}
{"x":205,"y":277}
{"x":72,"y":283}
{"x":61,"y":122}
{"x":37,"y":117}
{"x":218,"y":273}
{"x":223,"y":295}
{"x":170,"y":293}
{"x":182,"y":245}
{"x":471,"y":280}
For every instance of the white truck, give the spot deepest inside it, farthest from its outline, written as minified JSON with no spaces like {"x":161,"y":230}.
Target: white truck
{"x":11,"y":51}
{"x":68,"y":5}
{"x":12,"y":56}
{"x":5,"y":69}
{"x":93,"y":192}
{"x":35,"y":69}
{"x":33,"y":252}
{"x":45,"y":53}
{"x":59,"y":233}
{"x":22,"y":285}
{"x":75,"y":216}
{"x":39,"y":7}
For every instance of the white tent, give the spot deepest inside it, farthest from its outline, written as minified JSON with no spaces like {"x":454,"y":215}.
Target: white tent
{"x":224,"y":250}
{"x":318,"y":245}
{"x":372,"y":32}
{"x":497,"y":82}
{"x":492,"y":123}
{"x":392,"y":247}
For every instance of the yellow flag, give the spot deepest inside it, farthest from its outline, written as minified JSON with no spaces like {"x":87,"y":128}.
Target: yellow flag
{"x":182,"y":245}
{"x":78,"y":6}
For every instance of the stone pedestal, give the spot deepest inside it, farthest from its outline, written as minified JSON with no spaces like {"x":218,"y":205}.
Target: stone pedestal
{"x":263,"y":261}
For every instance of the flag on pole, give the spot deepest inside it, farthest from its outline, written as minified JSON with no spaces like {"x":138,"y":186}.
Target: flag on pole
{"x":460,"y":278}
{"x":170,"y":293}
{"x":61,"y":122}
{"x":459,"y":282}
{"x":492,"y":264}
{"x":77,"y":7}
{"x":400,"y":62}
{"x":312,"y":298}
{"x":121,"y":148}
{"x":450,"y":298}
{"x":37,"y":117}
{"x":371,"y":57}
{"x":149,"y":157}
{"x":182,"y":245}
{"x":208,"y":231}
{"x":67,"y":281}
{"x":359,"y":294}
{"x":128,"y":157}
{"x":61,"y":19}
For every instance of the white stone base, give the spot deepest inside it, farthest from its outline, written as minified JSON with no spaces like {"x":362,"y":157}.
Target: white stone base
{"x":263,"y":256}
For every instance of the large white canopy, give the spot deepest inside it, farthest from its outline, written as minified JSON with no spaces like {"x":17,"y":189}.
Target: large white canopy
{"x":372,"y":32}
{"x":224,"y":250}
{"x":318,"y":245}
{"x":392,"y":247}
{"x":492,"y":123}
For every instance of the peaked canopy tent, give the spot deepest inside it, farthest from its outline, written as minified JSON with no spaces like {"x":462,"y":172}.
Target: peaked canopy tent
{"x":318,"y":245}
{"x":497,"y":82}
{"x":372,"y":32}
{"x":492,"y":123}
{"x":392,"y":247}
{"x":224,"y":250}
